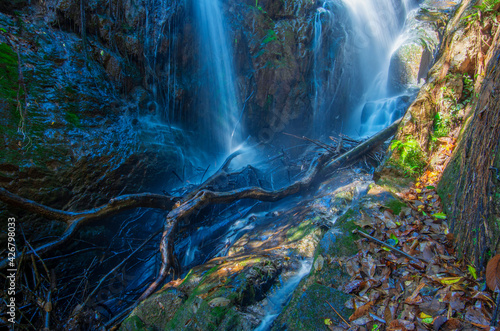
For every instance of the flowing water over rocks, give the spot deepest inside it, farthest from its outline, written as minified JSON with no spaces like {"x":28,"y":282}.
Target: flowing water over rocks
{"x":263,"y":256}
{"x":369,"y":57}
{"x":120,"y":98}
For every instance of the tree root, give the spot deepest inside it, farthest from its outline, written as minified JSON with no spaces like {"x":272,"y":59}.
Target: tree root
{"x":75,"y":220}
{"x":181,"y":209}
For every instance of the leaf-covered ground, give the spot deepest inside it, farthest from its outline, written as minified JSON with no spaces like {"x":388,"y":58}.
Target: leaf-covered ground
{"x":433,"y":291}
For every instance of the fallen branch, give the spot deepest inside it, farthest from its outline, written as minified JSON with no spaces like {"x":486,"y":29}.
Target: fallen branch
{"x":218,"y":174}
{"x":335,"y":310}
{"x":114,"y":206}
{"x":361,"y":233}
{"x":365,"y":146}
{"x":316,"y":142}
{"x":118,"y":266}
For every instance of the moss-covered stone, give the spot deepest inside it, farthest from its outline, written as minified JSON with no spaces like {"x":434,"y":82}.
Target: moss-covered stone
{"x":308,"y":309}
{"x":134,"y":323}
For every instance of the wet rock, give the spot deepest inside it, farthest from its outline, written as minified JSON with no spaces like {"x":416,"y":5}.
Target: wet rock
{"x":217,"y":295}
{"x":157,"y":311}
{"x":309,"y":309}
{"x":412,"y":60}
{"x":409,"y":64}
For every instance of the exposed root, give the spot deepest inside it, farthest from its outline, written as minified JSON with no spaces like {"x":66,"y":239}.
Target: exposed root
{"x":75,"y":220}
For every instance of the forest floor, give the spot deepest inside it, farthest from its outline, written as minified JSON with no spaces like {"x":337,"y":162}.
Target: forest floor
{"x":435,"y":290}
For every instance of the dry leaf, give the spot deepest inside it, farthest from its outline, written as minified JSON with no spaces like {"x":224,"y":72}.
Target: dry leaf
{"x":368,"y":264}
{"x":361,"y":311}
{"x":476,"y":317}
{"x":318,"y":264}
{"x":451,"y":325}
{"x":415,"y":298}
{"x":493,"y":273}
{"x":353,"y":286}
{"x":438,"y":322}
{"x":400,"y":325}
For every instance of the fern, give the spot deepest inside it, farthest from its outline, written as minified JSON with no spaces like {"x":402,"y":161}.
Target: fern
{"x":411,"y":157}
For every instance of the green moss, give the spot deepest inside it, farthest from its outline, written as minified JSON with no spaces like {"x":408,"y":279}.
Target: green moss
{"x":301,"y":231}
{"x":133,"y":323}
{"x":9,"y":76}
{"x":395,"y":205}
{"x":308,"y":309}
{"x":73,"y":119}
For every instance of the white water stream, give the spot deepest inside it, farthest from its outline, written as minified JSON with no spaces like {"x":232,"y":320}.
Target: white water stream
{"x":217,"y":62}
{"x":353,"y":44}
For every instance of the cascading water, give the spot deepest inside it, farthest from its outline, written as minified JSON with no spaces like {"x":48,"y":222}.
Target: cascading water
{"x":353,"y":43}
{"x":160,"y":76}
{"x":220,"y":95}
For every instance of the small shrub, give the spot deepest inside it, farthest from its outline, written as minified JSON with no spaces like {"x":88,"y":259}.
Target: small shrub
{"x":411,"y":157}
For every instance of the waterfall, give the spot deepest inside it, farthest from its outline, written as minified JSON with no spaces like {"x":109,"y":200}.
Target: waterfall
{"x":220,"y":97}
{"x":353,"y":43}
{"x":160,"y":76}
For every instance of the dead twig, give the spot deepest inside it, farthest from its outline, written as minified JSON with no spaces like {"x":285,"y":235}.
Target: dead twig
{"x":119,"y":265}
{"x":316,"y":142}
{"x":349,"y":325}
{"x":361,"y":233}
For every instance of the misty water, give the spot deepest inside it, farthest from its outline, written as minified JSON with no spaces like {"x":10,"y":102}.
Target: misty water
{"x":353,"y":43}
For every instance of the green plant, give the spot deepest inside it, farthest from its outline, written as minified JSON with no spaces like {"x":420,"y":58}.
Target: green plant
{"x":486,"y":7}
{"x":411,"y":157}
{"x":467,"y":94}
{"x":442,"y":125}
{"x":259,"y":7}
{"x":270,"y":36}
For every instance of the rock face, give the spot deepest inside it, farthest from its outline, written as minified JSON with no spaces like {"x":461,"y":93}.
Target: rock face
{"x":411,"y":61}
{"x":72,"y":140}
{"x":274,"y":51}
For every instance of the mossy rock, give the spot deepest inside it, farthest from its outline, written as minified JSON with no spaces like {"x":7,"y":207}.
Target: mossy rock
{"x":339,"y":240}
{"x":134,"y":323}
{"x":211,"y":296}
{"x":155,"y":312}
{"x":309,"y":309}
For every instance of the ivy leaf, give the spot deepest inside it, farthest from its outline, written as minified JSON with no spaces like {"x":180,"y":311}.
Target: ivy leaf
{"x":328,"y":321}
{"x":393,"y":237}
